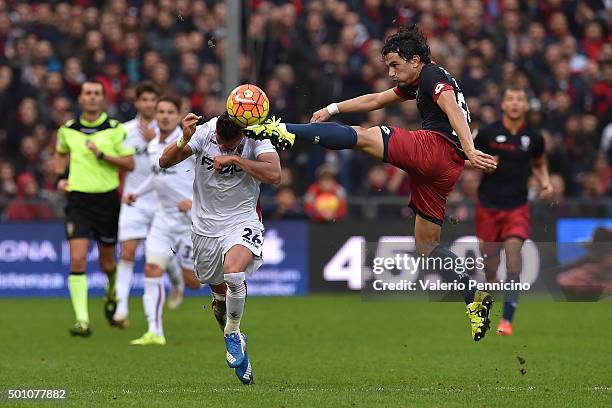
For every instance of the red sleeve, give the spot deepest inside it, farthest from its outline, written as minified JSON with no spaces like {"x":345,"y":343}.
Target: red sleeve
{"x":405,"y":92}
{"x":438,"y":88}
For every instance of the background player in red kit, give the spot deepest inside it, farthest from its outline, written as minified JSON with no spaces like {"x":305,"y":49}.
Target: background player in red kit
{"x":433,"y":157}
{"x":502,"y":212}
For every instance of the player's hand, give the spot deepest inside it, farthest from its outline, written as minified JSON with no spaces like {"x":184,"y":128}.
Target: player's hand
{"x":223,"y":161}
{"x":184,"y":206}
{"x":321,"y":115}
{"x":130,"y":198}
{"x":147,"y":132}
{"x":189,"y":125}
{"x":92,"y":146}
{"x":546,"y":190}
{"x":62,"y":185}
{"x":482,"y":161}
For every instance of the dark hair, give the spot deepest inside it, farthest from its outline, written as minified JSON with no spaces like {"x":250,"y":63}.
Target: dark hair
{"x":227,"y":129}
{"x":171,"y":99}
{"x":92,"y":81}
{"x":146,"y":87}
{"x":408,"y":42}
{"x":515,"y":88}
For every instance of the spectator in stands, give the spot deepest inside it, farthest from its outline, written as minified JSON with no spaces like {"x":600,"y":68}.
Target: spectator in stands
{"x":286,"y":206}
{"x":325,"y":200}
{"x":8,"y":187}
{"x":308,"y":54}
{"x":28,"y":205}
{"x":376,"y":182}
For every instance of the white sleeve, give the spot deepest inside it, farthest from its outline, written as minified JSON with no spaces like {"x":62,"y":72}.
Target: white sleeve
{"x":263,"y":146}
{"x":145,"y":187}
{"x":195,"y":143}
{"x":198,"y":140}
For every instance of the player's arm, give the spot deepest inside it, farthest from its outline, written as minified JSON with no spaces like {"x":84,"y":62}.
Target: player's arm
{"x":61,"y":160}
{"x":539,"y":167}
{"x":125,"y":163}
{"x":449,"y":105}
{"x":124,"y":156}
{"x":480,"y":143}
{"x":179,"y":151}
{"x":144,"y":188}
{"x":266,"y":168}
{"x":363,"y":103}
{"x":60,"y":167}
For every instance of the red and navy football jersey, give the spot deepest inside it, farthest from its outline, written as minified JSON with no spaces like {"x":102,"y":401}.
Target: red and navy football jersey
{"x":506,"y":187}
{"x":431,"y":83}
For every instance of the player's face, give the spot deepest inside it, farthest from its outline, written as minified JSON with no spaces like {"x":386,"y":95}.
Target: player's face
{"x":229,"y":147}
{"x":515,"y":104}
{"x":91,"y":97}
{"x":402,"y":72}
{"x":145,"y":104}
{"x":167,"y":116}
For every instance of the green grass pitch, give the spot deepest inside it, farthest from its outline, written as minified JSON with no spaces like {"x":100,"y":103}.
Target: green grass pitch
{"x":316,"y":351}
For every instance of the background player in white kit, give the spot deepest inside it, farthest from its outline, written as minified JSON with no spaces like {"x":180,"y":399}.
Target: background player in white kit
{"x":135,"y":220}
{"x":169,"y":235}
{"x":227,"y":230}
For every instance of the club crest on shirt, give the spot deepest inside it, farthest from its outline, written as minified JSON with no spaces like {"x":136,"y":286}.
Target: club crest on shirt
{"x":525,"y":142}
{"x":500,"y":138}
{"x":70,"y":228}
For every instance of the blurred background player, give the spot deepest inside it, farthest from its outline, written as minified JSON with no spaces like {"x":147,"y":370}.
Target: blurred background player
{"x":93,"y":146}
{"x":227,"y":229}
{"x":168,"y":237}
{"x":502,"y":212}
{"x":135,"y":219}
{"x":433,"y":157}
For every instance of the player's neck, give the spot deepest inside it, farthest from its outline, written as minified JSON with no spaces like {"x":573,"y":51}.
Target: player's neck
{"x":163,"y":134}
{"x":513,"y":126}
{"x":91,"y":116}
{"x":144,"y":119}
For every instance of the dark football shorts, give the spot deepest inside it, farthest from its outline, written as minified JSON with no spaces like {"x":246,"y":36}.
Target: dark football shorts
{"x":497,"y":225}
{"x":432,"y":163}
{"x":93,"y":215}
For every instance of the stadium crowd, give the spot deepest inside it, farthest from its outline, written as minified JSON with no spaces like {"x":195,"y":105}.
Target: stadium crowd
{"x":305,"y":54}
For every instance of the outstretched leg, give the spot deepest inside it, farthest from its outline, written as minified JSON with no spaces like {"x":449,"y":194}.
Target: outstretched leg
{"x":330,"y":135}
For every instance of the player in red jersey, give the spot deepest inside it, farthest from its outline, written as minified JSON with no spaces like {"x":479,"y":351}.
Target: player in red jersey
{"x":433,"y":157}
{"x":502,"y":213}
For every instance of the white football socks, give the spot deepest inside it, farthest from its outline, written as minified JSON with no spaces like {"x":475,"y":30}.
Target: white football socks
{"x":153,"y":300}
{"x":234,"y":300}
{"x":125,"y":273}
{"x":175,"y":274}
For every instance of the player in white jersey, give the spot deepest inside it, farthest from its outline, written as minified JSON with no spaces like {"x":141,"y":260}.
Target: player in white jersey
{"x":227,"y":232}
{"x":135,"y":220}
{"x":168,"y":237}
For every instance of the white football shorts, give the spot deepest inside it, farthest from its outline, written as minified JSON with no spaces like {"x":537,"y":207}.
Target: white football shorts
{"x":135,"y":221}
{"x":169,"y":236}
{"x":209,"y":252}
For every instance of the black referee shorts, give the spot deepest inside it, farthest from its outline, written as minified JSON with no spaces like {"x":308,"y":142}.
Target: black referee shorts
{"x":93,"y":215}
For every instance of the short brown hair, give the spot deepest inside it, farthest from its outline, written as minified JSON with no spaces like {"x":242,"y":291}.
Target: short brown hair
{"x":146,"y":87}
{"x":515,"y":88}
{"x":171,"y":99}
{"x":92,"y":81}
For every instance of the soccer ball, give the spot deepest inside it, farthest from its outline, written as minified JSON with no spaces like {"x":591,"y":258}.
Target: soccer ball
{"x":248,"y":105}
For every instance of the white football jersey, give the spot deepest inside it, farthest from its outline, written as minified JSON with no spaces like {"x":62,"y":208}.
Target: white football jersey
{"x":142,"y":164}
{"x":222,"y":200}
{"x":174,"y":184}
